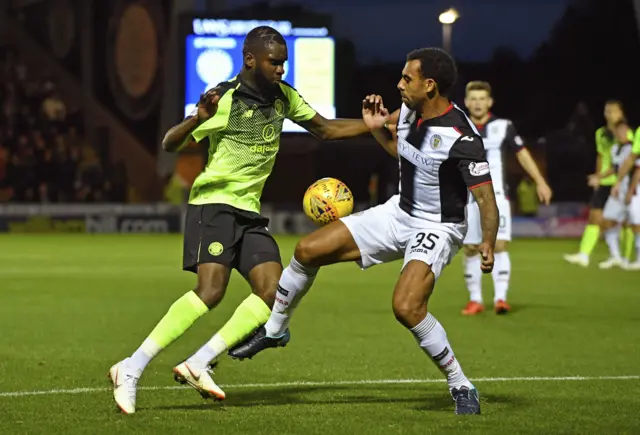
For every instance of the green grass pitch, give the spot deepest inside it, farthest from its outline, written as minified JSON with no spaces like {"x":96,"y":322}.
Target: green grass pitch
{"x":71,"y":306}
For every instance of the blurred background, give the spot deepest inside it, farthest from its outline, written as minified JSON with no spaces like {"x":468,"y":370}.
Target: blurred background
{"x":88,"y":89}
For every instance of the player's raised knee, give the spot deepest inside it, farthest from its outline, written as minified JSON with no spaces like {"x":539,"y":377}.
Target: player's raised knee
{"x":308,"y":250}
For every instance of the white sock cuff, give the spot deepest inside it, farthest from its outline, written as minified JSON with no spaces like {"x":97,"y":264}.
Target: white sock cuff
{"x":425,"y":327}
{"x":302,"y":270}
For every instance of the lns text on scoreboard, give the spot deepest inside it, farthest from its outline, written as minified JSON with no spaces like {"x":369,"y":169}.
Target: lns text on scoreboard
{"x":223,"y":27}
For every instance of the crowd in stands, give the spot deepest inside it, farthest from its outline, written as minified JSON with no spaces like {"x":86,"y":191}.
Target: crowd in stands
{"x":44,"y":155}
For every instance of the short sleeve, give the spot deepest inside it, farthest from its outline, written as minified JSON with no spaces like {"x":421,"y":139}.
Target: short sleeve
{"x":218,"y":121}
{"x":471,"y":159}
{"x":512,"y":139}
{"x":636,"y":143}
{"x":299,"y":110}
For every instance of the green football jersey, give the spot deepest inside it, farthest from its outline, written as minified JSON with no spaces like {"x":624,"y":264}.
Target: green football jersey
{"x":636,"y":143}
{"x":604,"y":144}
{"x":244,"y":138}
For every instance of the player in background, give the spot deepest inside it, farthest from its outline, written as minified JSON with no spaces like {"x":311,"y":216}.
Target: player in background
{"x":498,"y":135}
{"x":242,"y":120}
{"x":441,"y":158}
{"x":632,"y":199}
{"x":613,"y":113}
{"x":616,"y":212}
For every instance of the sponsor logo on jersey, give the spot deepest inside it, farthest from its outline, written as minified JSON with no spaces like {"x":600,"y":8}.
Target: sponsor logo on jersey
{"x":478,"y":168}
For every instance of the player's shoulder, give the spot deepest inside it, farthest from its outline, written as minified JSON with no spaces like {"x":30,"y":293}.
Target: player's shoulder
{"x":287,"y":89}
{"x":455,"y":126}
{"x":502,"y":122}
{"x":229,"y":85}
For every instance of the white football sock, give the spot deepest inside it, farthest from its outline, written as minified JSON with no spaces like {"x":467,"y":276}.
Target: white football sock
{"x":432,"y":338}
{"x":295,"y":282}
{"x":144,"y":354}
{"x":501,"y":274}
{"x":612,"y":237}
{"x":208,"y":352}
{"x":637,"y":247}
{"x":473,"y":277}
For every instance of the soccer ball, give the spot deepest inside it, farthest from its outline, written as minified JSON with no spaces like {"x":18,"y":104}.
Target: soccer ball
{"x":327,"y":200}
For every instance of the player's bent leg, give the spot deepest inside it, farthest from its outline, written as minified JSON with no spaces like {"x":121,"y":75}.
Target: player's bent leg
{"x":501,"y":275}
{"x":330,"y":244}
{"x":327,"y":245}
{"x":589,"y":239}
{"x":612,"y":232}
{"x":212,"y":280}
{"x":473,"y":279}
{"x":410,"y":307}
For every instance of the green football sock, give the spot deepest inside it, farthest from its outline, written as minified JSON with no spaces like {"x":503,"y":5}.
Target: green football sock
{"x":250,"y":314}
{"x":628,"y":240}
{"x":178,"y":319}
{"x":589,"y":239}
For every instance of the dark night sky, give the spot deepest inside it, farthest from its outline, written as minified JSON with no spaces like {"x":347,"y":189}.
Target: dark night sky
{"x":387,"y":29}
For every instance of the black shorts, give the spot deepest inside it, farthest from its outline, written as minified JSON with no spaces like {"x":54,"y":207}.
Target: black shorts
{"x":599,"y":197}
{"x":220,"y":233}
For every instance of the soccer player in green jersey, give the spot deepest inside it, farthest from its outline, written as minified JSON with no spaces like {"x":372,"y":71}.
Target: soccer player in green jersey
{"x":602,"y":181}
{"x":242,"y":120}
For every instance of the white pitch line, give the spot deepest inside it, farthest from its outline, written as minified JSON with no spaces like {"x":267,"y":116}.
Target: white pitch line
{"x":334,"y":383}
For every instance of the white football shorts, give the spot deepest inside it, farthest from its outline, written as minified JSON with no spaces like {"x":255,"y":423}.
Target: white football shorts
{"x":387,"y":233}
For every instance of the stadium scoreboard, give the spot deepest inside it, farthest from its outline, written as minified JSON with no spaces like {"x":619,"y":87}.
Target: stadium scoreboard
{"x":213,"y":54}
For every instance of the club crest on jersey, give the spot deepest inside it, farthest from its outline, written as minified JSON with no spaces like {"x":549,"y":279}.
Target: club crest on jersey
{"x":435,"y":141}
{"x":478,"y":168}
{"x":278,"y":106}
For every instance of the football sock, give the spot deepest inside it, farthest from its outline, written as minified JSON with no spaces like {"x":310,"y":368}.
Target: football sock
{"x":627,"y":239}
{"x":252,"y":313}
{"x":432,"y":338}
{"x":295,"y":282}
{"x":611,"y":236}
{"x":501,"y":274}
{"x":473,"y":277}
{"x":178,"y":319}
{"x":589,"y":239}
{"x":638,"y":248}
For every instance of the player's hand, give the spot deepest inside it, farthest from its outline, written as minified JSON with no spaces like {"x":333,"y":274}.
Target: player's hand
{"x":374,"y":114}
{"x":593,"y":180}
{"x":208,"y":104}
{"x":615,"y":190}
{"x":486,"y":254}
{"x":544,"y":193}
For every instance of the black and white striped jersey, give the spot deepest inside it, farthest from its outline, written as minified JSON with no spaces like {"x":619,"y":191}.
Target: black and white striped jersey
{"x":440,"y":159}
{"x":498,"y":135}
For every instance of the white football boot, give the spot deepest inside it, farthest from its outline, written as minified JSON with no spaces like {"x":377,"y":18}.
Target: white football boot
{"x":610,"y":263}
{"x":125,"y":382}
{"x":577,"y":259}
{"x":200,"y":379}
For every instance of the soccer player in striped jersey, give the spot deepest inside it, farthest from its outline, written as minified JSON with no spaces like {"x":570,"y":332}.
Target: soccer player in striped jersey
{"x":499,"y":136}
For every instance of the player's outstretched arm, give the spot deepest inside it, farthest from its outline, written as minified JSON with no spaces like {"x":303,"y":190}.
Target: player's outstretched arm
{"x":334,"y":129}
{"x":180,"y":135}
{"x":529,"y":165}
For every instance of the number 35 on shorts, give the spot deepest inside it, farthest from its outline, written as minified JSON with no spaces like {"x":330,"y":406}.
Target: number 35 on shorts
{"x":432,"y":247}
